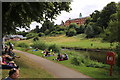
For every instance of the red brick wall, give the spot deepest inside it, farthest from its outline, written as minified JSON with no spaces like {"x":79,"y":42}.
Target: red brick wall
{"x":78,"y":21}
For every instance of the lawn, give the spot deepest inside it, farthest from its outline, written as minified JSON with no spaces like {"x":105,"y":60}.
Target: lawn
{"x":90,"y":71}
{"x":75,"y":41}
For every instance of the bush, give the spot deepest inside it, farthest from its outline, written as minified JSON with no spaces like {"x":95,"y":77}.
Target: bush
{"x":82,"y":61}
{"x":75,"y":61}
{"x":35,"y":39}
{"x":71,"y":32}
{"x":40,"y":45}
{"x":41,"y":34}
{"x":55,"y":48}
{"x":23,"y":45}
{"x":31,"y":35}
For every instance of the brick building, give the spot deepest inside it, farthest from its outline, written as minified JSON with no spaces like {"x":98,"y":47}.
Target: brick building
{"x":78,"y":21}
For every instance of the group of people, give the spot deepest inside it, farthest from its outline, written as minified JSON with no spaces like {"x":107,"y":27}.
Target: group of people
{"x":48,"y":53}
{"x":61,"y":57}
{"x":7,"y":61}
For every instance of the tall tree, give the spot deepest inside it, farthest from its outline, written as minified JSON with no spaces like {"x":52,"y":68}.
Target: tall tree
{"x":105,"y":14}
{"x":21,"y":14}
{"x":114,"y":26}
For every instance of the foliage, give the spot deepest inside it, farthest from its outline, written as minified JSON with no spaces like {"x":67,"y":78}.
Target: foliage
{"x":81,"y":29}
{"x":31,"y":35}
{"x":118,"y":53}
{"x":89,"y":31}
{"x":73,"y":26}
{"x":71,"y":32}
{"x":112,"y":33}
{"x":47,"y":25}
{"x":17,"y":14}
{"x":82,"y":61}
{"x":35,"y":39}
{"x":40,"y":45}
{"x":23,"y":45}
{"x":100,"y":19}
{"x":41,"y":34}
{"x":22,"y":33}
{"x":54,"y":48}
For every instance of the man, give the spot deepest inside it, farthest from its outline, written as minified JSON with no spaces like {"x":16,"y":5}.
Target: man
{"x":13,"y":74}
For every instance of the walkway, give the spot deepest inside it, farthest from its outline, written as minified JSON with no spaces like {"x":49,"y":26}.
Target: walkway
{"x":58,"y":70}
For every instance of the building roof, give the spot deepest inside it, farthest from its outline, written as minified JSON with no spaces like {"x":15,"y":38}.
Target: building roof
{"x":19,"y":36}
{"x":76,"y":18}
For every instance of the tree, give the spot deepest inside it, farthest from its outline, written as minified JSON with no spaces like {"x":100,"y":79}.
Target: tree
{"x":113,"y":31}
{"x":21,"y":14}
{"x":71,"y":32}
{"x":81,"y":29}
{"x":89,"y":31}
{"x":105,"y":14}
{"x":47,"y":25}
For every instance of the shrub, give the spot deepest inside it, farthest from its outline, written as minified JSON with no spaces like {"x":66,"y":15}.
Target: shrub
{"x":31,"y":35}
{"x":71,"y":32}
{"x":23,"y":45}
{"x":75,"y":61}
{"x":55,"y":48}
{"x":35,"y":39}
{"x":41,"y":34}
{"x":40,"y":45}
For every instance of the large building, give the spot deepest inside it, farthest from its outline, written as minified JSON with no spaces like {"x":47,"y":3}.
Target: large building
{"x":78,"y":21}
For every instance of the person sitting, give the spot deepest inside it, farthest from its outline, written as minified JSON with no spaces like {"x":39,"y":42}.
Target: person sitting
{"x":66,"y":57}
{"x":7,"y":65}
{"x":35,"y":49}
{"x":6,"y":48}
{"x":12,"y":54}
{"x":13,"y":74}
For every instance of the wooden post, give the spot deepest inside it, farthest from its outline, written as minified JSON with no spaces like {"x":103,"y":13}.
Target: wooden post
{"x":111,"y":70}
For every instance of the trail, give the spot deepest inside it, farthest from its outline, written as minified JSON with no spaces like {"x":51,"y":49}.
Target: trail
{"x":57,"y":70}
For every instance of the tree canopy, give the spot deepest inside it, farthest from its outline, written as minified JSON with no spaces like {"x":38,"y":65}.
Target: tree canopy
{"x":21,"y":14}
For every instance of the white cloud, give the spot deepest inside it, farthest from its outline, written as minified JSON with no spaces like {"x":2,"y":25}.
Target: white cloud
{"x":86,"y":7}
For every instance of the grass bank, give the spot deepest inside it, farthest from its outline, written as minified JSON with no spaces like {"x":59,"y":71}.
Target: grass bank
{"x":74,"y":42}
{"x":28,"y":69}
{"x":90,"y":71}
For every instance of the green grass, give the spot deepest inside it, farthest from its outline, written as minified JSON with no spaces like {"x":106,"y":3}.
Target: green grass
{"x":90,"y":71}
{"x":27,"y":70}
{"x":75,"y":41}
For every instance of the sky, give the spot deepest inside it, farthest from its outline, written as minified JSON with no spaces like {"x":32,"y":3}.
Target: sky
{"x":86,"y":7}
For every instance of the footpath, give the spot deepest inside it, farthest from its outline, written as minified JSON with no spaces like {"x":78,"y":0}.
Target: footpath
{"x":57,"y":70}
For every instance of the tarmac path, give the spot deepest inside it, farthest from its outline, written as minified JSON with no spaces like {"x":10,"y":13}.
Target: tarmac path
{"x":57,"y":70}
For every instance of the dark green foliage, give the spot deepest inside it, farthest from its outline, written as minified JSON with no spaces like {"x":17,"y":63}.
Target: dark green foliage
{"x":112,"y":33}
{"x":81,"y":29}
{"x":47,"y":25}
{"x":89,"y":31}
{"x":23,"y":45}
{"x":106,"y":13}
{"x":40,"y":45}
{"x":71,"y":32}
{"x":31,"y":35}
{"x":82,"y":61}
{"x":54,"y":48}
{"x":100,"y":19}
{"x":73,"y":26}
{"x":35,"y":39}
{"x":75,"y":61}
{"x":23,"y":13}
{"x":41,"y":34}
